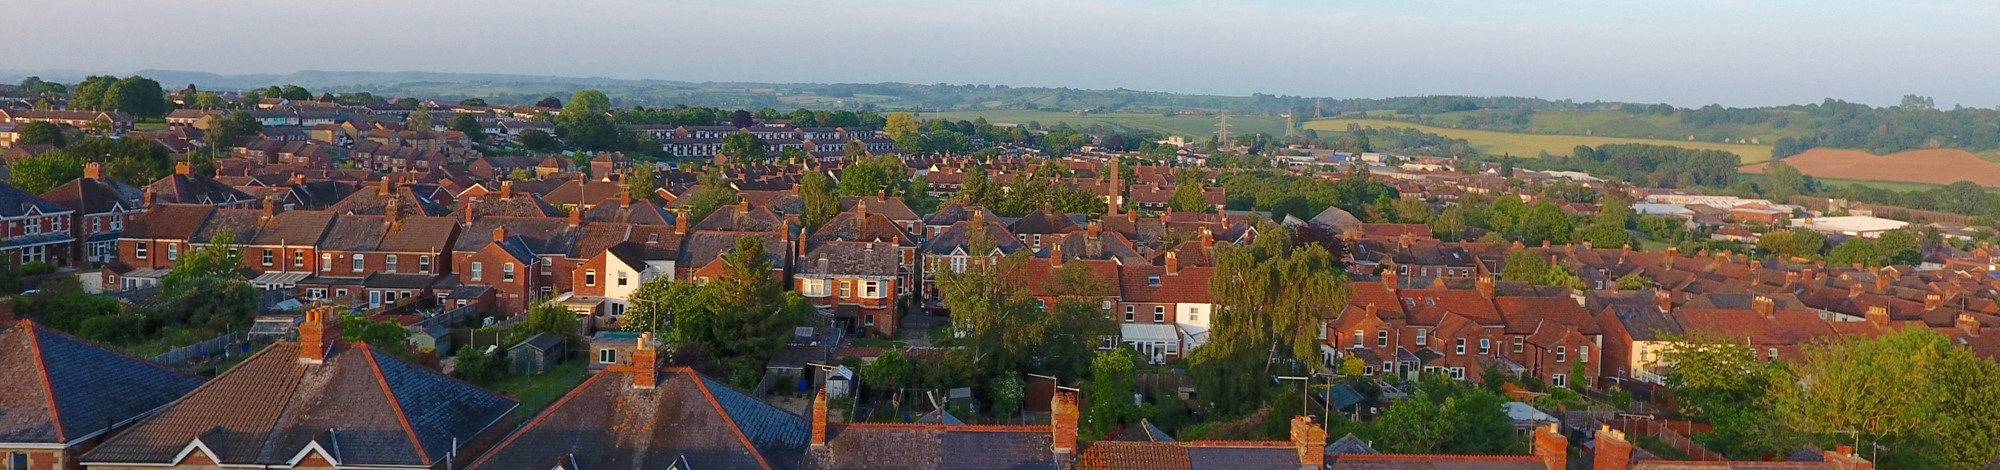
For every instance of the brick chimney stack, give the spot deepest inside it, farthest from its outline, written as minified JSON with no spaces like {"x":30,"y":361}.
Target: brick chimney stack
{"x":1552,"y":447}
{"x":270,"y":205}
{"x":1485,"y":286}
{"x":148,"y":201}
{"x":317,"y":334}
{"x":499,"y":233}
{"x":645,"y":363}
{"x":1310,"y":441}
{"x":1664,"y":299}
{"x":680,"y":223}
{"x":1389,"y":278}
{"x":1764,"y":306}
{"x":1613,"y":451}
{"x":506,"y":189}
{"x":1207,"y":238}
{"x":1056,"y":256}
{"x":1965,"y":322}
{"x":576,"y":216}
{"x":182,"y":168}
{"x":1882,"y":281}
{"x":1063,"y":414}
{"x":819,"y":419}
{"x":93,"y":170}
{"x":1855,"y":290}
{"x":1173,"y":263}
{"x":388,"y":185}
{"x":1933,"y":301}
{"x":1878,"y":315}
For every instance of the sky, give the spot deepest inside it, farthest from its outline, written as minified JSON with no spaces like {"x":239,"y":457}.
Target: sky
{"x":1683,"y":52}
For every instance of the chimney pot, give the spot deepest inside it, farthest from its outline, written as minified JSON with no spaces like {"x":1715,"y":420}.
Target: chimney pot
{"x":1613,"y":451}
{"x":1310,"y":441}
{"x":317,"y":334}
{"x":1551,"y":446}
{"x":499,"y":234}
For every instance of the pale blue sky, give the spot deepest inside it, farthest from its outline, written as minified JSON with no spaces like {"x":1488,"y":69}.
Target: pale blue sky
{"x":1691,"y":52}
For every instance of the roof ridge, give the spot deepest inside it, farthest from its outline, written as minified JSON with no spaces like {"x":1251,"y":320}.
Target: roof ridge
{"x":394,"y":404}
{"x":48,"y":384}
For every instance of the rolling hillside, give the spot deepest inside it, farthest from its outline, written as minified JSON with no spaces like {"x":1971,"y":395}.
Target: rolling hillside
{"x":1529,"y":145}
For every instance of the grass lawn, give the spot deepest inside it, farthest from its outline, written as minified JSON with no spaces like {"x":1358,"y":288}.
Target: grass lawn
{"x":149,"y":125}
{"x":1190,"y":126}
{"x":1529,"y":145}
{"x":537,"y":392}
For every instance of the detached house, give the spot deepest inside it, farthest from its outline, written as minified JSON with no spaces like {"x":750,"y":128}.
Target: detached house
{"x":855,"y":281}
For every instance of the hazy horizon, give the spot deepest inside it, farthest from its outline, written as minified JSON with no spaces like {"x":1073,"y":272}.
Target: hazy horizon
{"x":1732,"y":52}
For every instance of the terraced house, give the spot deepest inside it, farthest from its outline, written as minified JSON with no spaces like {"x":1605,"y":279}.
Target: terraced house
{"x":33,"y":229}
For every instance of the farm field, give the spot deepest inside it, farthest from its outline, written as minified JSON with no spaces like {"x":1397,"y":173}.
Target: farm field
{"x":1189,"y":126}
{"x":1935,"y":167}
{"x":1650,"y":126}
{"x":1529,"y":145}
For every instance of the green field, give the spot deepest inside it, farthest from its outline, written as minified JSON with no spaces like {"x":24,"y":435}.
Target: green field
{"x":1624,"y":124}
{"x":1529,"y":145}
{"x":1188,"y":126}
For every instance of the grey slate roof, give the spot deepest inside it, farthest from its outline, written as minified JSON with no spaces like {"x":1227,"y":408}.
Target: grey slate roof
{"x":88,"y":386}
{"x":15,"y":203}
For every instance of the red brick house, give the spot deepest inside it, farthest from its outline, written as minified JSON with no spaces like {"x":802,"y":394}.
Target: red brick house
{"x":103,"y":208}
{"x":34,"y":229}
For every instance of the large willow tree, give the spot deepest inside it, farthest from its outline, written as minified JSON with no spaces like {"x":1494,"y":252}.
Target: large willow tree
{"x":1270,"y":297}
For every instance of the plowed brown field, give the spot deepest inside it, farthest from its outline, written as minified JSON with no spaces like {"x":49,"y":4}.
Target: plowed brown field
{"x":1936,"y":166}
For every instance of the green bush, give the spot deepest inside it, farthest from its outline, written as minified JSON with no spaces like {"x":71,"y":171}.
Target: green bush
{"x":36,"y":268}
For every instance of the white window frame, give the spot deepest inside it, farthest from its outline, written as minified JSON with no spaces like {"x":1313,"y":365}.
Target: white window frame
{"x":1381,"y":338}
{"x":173,"y":251}
{"x":1423,"y":336}
{"x":359,"y":262}
{"x":590,"y":278}
{"x":1519,"y":345}
{"x":389,"y":263}
{"x":1583,"y":354}
{"x":1485,"y":346}
{"x":1159,"y":314}
{"x":424,"y":263}
{"x":1459,"y":348}
{"x":1562,"y":354}
{"x":139,"y":250}
{"x":1131,"y":313}
{"x":607,"y":356}
{"x":623,"y":278}
{"x":1357,"y":338}
{"x":871,"y":289}
{"x":266,"y":258}
{"x":1559,"y":380}
{"x":478,"y":270}
{"x":507,"y":272}
{"x":815,"y":287}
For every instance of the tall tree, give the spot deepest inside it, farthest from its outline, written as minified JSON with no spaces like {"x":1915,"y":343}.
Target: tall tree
{"x":419,"y":120}
{"x":744,"y":147}
{"x":903,"y":128}
{"x":1268,"y":299}
{"x":714,"y":193}
{"x":139,"y":96}
{"x":821,"y":202}
{"x":41,"y":133}
{"x":41,"y":173}
{"x":466,"y":123}
{"x":1111,"y":383}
